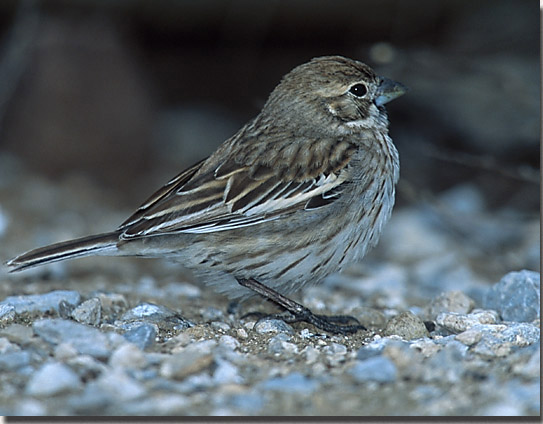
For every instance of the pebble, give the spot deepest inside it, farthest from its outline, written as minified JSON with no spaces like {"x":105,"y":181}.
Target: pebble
{"x":291,"y":383}
{"x":120,"y":386}
{"x":182,"y":364}
{"x":516,"y":297}
{"x":127,"y":356}
{"x":112,"y":304}
{"x":406,"y":325}
{"x":226,"y":373}
{"x":89,"y":312}
{"x":229,"y":342}
{"x":457,"y":323}
{"x":150,"y":313}
{"x":280,"y":345}
{"x":14,"y":360}
{"x":265,"y":326}
{"x":7,"y":313}
{"x":377,"y":368}
{"x":40,"y":303}
{"x":52,"y":379}
{"x":143,"y":335}
{"x":452,"y":301}
{"x":86,"y":340}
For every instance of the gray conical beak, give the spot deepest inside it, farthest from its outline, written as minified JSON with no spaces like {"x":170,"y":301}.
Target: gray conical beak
{"x":388,"y":90}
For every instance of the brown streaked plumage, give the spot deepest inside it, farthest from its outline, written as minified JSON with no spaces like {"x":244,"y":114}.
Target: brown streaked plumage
{"x":298,"y":192}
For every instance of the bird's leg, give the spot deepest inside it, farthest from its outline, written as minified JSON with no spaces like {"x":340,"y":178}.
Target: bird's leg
{"x":296,"y":312}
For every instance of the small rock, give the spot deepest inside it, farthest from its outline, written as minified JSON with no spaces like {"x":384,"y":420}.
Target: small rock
{"x":148,"y":311}
{"x":120,"y":386}
{"x":30,"y":407}
{"x":86,"y":340}
{"x":406,"y":325}
{"x":426,"y":347}
{"x":378,"y":368}
{"x":491,"y":346}
{"x":91,"y":400}
{"x":375,"y":348}
{"x":143,"y":336}
{"x":7,"y":313}
{"x":89,"y":312}
{"x":229,"y":342}
{"x":272,"y":326}
{"x":112,"y":304}
{"x":250,"y":403}
{"x":127,"y":356}
{"x":34,"y":303}
{"x":516,"y":297}
{"x":279,"y":345}
{"x":521,"y":334}
{"x":189,"y":361}
{"x":65,"y":351}
{"x":14,"y":360}
{"x":17,"y":333}
{"x":156,"y":314}
{"x":242,"y":334}
{"x":226,"y":373}
{"x":292,"y":383}
{"x":7,"y":347}
{"x":469,"y":337}
{"x":219,"y":325}
{"x":52,"y":379}
{"x":311,"y":354}
{"x":457,"y":323}
{"x":452,"y":301}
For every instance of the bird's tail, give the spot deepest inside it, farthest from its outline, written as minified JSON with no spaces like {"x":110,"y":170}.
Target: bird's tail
{"x":100,"y":244}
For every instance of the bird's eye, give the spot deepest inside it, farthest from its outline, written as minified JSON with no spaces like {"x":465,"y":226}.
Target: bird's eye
{"x":359,"y":90}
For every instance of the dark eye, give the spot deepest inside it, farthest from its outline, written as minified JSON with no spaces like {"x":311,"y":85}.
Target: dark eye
{"x":359,"y":90}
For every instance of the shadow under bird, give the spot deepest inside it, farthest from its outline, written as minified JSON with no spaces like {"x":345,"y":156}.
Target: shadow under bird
{"x":297,"y":193}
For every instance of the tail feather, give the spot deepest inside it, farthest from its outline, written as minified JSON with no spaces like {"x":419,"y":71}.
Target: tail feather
{"x":100,"y":244}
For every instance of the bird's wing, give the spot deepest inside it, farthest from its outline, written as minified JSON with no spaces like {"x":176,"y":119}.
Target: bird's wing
{"x":245,"y":189}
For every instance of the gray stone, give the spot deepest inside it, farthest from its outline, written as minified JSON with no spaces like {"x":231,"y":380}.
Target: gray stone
{"x":280,"y":345}
{"x":272,"y":326}
{"x":187,"y":362}
{"x":148,"y":311}
{"x":14,"y":360}
{"x":458,"y":323}
{"x":52,"y":379}
{"x":229,"y":342}
{"x":91,"y":400}
{"x":156,"y":314}
{"x":7,"y":313}
{"x":516,"y":297}
{"x":120,"y":386}
{"x":521,"y":334}
{"x":453,"y":301}
{"x":143,"y":335}
{"x":406,"y":325}
{"x":378,"y":368}
{"x":86,"y":340}
{"x":250,"y":403}
{"x":34,"y":303}
{"x":226,"y":373}
{"x":127,"y":356}
{"x":291,"y":383}
{"x":89,"y":312}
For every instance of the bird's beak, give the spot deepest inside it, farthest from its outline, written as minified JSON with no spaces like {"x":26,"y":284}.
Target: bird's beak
{"x":388,"y":90}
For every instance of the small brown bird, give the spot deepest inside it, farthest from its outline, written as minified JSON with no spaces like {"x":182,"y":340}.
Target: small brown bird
{"x":297,"y":193}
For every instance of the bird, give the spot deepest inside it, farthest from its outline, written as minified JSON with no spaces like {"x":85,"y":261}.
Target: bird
{"x":299,"y":192}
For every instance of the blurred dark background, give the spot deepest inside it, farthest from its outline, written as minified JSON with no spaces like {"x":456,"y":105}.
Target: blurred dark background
{"x":127,"y":93}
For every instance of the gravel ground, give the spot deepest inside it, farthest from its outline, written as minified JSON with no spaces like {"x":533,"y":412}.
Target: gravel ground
{"x":451,"y":302}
